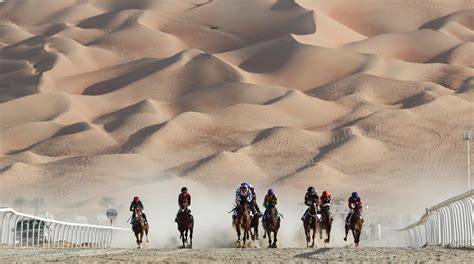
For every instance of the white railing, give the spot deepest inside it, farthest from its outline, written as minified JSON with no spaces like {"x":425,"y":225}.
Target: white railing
{"x":448,"y":223}
{"x":23,"y":230}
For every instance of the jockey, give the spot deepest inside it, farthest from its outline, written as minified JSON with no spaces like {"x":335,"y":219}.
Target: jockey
{"x":325,"y":199}
{"x":254,"y":205}
{"x":184,"y":200}
{"x":270,"y":198}
{"x":353,"y":201}
{"x":243,"y":195}
{"x":310,"y":197}
{"x":137,"y":203}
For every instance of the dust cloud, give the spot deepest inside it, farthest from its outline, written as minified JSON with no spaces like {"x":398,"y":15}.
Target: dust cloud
{"x":213,"y":222}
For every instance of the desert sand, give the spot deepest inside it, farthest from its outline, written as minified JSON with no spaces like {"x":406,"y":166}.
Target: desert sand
{"x":103,"y":100}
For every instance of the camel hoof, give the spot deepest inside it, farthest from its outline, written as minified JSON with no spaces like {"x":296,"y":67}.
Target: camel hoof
{"x":345,"y":239}
{"x":357,"y":245}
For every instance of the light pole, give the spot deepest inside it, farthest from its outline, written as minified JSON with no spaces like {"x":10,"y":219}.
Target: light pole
{"x":468,"y":138}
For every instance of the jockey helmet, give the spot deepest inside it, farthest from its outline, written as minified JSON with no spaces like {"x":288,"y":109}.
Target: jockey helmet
{"x":271,"y":192}
{"x":325,"y":193}
{"x":311,"y":189}
{"x":136,"y":199}
{"x":244,"y":185}
{"x":184,"y":190}
{"x":355,"y":195}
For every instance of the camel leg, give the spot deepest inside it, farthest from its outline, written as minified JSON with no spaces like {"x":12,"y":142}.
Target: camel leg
{"x":314,"y":236}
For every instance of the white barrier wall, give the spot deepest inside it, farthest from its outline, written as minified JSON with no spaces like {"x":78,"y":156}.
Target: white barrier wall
{"x":23,"y":230}
{"x":448,"y":223}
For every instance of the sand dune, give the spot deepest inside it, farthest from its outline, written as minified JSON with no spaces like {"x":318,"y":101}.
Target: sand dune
{"x":411,"y":46}
{"x":366,"y":95}
{"x":373,"y":18}
{"x":459,"y":55}
{"x":458,"y":24}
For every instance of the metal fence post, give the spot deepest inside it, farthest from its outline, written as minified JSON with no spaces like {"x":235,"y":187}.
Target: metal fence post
{"x":3,"y":231}
{"x":57,"y":240}
{"x":64,"y":235}
{"x":15,"y":231}
{"x":94,"y":233}
{"x":89,"y":237}
{"x":81,"y":237}
{"x":44,"y":233}
{"x":68,"y":236}
{"x":74,"y":237}
{"x":101,"y":236}
{"x":33,"y":233}
{"x":9,"y":230}
{"x":21,"y":232}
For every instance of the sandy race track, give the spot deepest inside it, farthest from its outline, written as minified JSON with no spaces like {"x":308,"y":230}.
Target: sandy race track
{"x":364,"y":254}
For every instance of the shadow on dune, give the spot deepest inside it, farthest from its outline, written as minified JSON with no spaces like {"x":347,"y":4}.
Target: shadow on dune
{"x":139,"y":137}
{"x":66,"y":130}
{"x":137,"y":74}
